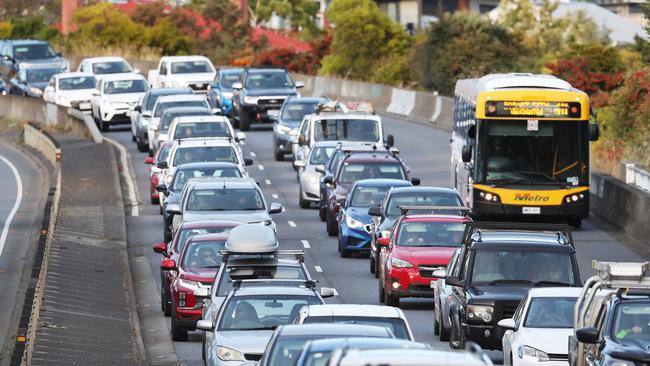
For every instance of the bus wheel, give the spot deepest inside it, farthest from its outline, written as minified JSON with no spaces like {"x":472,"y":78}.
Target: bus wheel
{"x":576,"y":222}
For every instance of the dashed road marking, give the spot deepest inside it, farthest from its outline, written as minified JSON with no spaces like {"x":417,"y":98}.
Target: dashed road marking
{"x":267,"y":181}
{"x":318,"y":269}
{"x":291,"y":223}
{"x":260,"y":167}
{"x":305,"y":243}
{"x":275,"y":196}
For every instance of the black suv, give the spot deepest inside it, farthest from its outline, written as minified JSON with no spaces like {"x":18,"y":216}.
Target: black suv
{"x":259,"y":92}
{"x":498,"y":263}
{"x":13,"y":52}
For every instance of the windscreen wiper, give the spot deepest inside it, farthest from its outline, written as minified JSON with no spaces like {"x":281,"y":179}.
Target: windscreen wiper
{"x":504,"y":281}
{"x":552,"y":283}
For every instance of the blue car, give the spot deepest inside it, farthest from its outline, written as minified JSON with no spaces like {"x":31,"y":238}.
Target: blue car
{"x":353,"y":218}
{"x":220,"y":91}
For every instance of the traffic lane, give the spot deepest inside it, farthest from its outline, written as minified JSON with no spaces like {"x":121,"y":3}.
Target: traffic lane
{"x":17,"y":258}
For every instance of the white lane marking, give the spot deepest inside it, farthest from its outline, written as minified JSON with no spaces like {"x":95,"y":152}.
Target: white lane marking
{"x":19,"y":199}
{"x":130,"y":187}
{"x":318,"y":269}
{"x":267,"y":181}
{"x":275,"y":196}
{"x":260,"y":167}
{"x":253,"y":154}
{"x":336,"y":293}
{"x":305,"y":243}
{"x":291,"y":223}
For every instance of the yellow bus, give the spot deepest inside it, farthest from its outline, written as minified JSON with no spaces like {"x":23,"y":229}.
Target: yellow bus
{"x":520,"y":148}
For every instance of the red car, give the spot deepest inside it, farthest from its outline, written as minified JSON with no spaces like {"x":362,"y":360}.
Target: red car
{"x":174,"y":248}
{"x":155,"y":173}
{"x":197,"y":266}
{"x":417,"y":246}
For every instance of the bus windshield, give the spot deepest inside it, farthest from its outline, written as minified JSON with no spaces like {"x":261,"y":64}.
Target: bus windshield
{"x":536,"y":153}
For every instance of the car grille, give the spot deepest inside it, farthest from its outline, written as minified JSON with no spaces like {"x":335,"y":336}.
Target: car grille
{"x":420,"y":288}
{"x":252,"y":356}
{"x":199,"y":86}
{"x":558,"y":357}
{"x":426,"y":270}
{"x":273,"y":102}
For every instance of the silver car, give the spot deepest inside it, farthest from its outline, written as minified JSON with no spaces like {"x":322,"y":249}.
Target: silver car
{"x":441,"y":292}
{"x":311,"y":170}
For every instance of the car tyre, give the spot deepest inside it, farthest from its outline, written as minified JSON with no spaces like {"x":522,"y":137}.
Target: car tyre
{"x":322,"y":214}
{"x":332,"y":227}
{"x":372,"y":265}
{"x":142,"y":147}
{"x":343,"y":252}
{"x":133,"y":138}
{"x":576,"y":222}
{"x":456,"y":337}
{"x":155,"y":201}
{"x":167,"y":234}
{"x":278,"y":155}
{"x":382,"y":292}
{"x":302,"y":202}
{"x":391,"y":300}
{"x":440,"y":329}
{"x":244,"y":120}
{"x":178,"y":334}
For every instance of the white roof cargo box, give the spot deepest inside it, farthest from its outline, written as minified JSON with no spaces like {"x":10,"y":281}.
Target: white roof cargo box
{"x":252,"y":239}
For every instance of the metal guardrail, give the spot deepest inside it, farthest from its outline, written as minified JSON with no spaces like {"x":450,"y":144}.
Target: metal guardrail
{"x":42,"y":141}
{"x":637,"y":177}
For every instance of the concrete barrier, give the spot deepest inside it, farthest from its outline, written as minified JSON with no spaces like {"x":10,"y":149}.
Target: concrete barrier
{"x":40,"y":140}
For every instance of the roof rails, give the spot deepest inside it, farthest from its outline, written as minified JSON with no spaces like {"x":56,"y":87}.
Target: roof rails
{"x":564,"y":235}
{"x":309,"y":283}
{"x":405,"y":208}
{"x":373,"y":148}
{"x":297,"y":254}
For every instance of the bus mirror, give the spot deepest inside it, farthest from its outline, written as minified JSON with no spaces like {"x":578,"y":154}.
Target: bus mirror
{"x":466,"y":154}
{"x":594,"y":132}
{"x":471,"y":132}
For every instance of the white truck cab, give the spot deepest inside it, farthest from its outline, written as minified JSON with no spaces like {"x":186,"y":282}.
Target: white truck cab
{"x":196,"y":72}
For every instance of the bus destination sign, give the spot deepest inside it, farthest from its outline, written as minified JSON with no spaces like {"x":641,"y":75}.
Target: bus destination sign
{"x":527,"y":109}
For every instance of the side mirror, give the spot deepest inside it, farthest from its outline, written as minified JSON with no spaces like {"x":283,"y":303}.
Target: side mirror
{"x":594,"y":132}
{"x":326,"y":292}
{"x":168,"y":264}
{"x":341,"y":202}
{"x":173,"y":209}
{"x":440,"y":273}
{"x":161,"y":188}
{"x":328,"y":180}
{"x":148,"y":160}
{"x":375,"y":211}
{"x":383,"y":242}
{"x":240,"y":136}
{"x":248,"y":161}
{"x":507,"y":323}
{"x":202,"y":292}
{"x":466,"y":154}
{"x":300,"y":84}
{"x":206,"y":325}
{"x":237,"y":86}
{"x":275,"y":208}
{"x":160,"y":248}
{"x":298,"y":164}
{"x":390,"y":140}
{"x":302,"y":141}
{"x":587,"y":335}
{"x":415,"y":181}
{"x":320,"y":168}
{"x":454,"y":281}
{"x":162,"y":165}
{"x":138,"y":108}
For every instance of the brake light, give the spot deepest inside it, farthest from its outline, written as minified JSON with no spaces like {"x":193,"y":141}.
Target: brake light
{"x":181,"y":299}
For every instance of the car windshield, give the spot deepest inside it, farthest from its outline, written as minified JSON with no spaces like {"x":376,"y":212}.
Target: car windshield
{"x":77,"y":83}
{"x":368,"y":196}
{"x":294,"y":112}
{"x":125,"y":86}
{"x":225,"y":199}
{"x":395,"y":325}
{"x":33,"y":52}
{"x":201,"y":129}
{"x":191,"y":67}
{"x":204,"y":254}
{"x":422,"y":199}
{"x":430,"y":234}
{"x":495,"y":267}
{"x":260,"y":272}
{"x":632,"y":324}
{"x":321,"y":155}
{"x":168,"y":116}
{"x":40,"y":75}
{"x":262,"y":312}
{"x":366,"y":130}
{"x":112,"y":67}
{"x":353,"y":172}
{"x":182,"y":175}
{"x":200,"y":154}
{"x":161,"y":107}
{"x":153,"y":97}
{"x":550,"y":312}
{"x":186,"y":233}
{"x":229,"y":78}
{"x":268,"y":80}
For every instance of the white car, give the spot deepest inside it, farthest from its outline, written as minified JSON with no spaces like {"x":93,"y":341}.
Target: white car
{"x":538,"y":334}
{"x":383,"y":316}
{"x":71,"y":90}
{"x":196,"y":72}
{"x":407,"y":357}
{"x":115,"y":97}
{"x":157,"y":133}
{"x":311,"y":170}
{"x":106,"y":65}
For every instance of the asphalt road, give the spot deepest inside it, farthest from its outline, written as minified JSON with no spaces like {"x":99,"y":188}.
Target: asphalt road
{"x":21,"y":211}
{"x":425,"y":150}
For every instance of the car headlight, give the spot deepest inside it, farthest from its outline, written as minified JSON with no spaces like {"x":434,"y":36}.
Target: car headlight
{"x":250,"y":100}
{"x":188,"y":283}
{"x":610,"y":361}
{"x":35,"y":91}
{"x":229,"y":354}
{"x":398,"y":263}
{"x":311,"y":178}
{"x":480,"y":313}
{"x":63,"y":100}
{"x":227,"y":95}
{"x":527,"y":352}
{"x":352,"y":223}
{"x":283,"y":130}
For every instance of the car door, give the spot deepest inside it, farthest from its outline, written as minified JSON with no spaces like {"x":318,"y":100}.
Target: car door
{"x":442,"y":291}
{"x":301,"y":152}
{"x":511,"y":338}
{"x":458,"y":297}
{"x":384,"y":254}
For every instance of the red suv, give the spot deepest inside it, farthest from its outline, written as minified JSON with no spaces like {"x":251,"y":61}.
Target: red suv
{"x":173,"y":250}
{"x":197,"y":265}
{"x":418,"y":245}
{"x":367,"y":165}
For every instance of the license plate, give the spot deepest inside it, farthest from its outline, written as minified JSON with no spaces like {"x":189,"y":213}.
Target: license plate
{"x":531,"y":210}
{"x":432,"y":284}
{"x":84,"y":106}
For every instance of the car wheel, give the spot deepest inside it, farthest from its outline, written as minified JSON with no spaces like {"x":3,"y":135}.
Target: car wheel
{"x":332,"y":227}
{"x":456,"y":338}
{"x":322,"y":214}
{"x":372,"y":264}
{"x":133,"y":137}
{"x":178,"y":334}
{"x":345,"y":253}
{"x":301,"y":202}
{"x":244,"y":120}
{"x":382,"y":292}
{"x":103,"y":125}
{"x":166,"y":303}
{"x":377,"y":266}
{"x":160,"y":210}
{"x":167,"y":234}
{"x":391,"y":300}
{"x":278,"y":155}
{"x":203,"y":347}
{"x":436,"y":323}
{"x":142,"y":147}
{"x":154,"y":201}
{"x":442,"y":332}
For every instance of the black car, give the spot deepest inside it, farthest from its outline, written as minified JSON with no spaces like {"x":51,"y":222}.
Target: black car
{"x":31,"y":80}
{"x":500,"y":263}
{"x":386,"y":214}
{"x":14,"y":53}
{"x":286,"y":123}
{"x":259,"y":92}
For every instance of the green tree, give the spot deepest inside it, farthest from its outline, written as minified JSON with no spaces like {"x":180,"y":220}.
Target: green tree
{"x":364,"y":39}
{"x":301,"y":13}
{"x":104,"y":24}
{"x":166,"y":37}
{"x":464,"y":45}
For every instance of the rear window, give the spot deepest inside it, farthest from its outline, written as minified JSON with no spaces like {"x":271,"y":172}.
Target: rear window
{"x":125,"y":86}
{"x":422,"y":199}
{"x":114,"y":67}
{"x":191,"y":67}
{"x":185,"y":234}
{"x":76,"y":83}
{"x":346,"y":130}
{"x":395,"y":325}
{"x":202,"y":129}
{"x":184,"y":103}
{"x":353,"y":172}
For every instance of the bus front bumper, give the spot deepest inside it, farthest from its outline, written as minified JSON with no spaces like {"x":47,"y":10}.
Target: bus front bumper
{"x":578,"y":209}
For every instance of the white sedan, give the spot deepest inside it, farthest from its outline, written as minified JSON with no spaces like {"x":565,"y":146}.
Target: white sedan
{"x":538,"y":334}
{"x":71,"y":90}
{"x":116,"y":94}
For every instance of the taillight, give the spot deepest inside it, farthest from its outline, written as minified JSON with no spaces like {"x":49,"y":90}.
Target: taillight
{"x":181,"y":299}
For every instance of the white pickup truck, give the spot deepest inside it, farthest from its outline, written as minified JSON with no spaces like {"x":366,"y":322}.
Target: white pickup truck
{"x":196,"y":72}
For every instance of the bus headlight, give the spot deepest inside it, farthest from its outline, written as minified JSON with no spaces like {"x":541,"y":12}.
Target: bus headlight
{"x":574,"y":198}
{"x":490,"y":197}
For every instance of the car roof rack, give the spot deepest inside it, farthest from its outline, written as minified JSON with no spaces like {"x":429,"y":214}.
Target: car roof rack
{"x":473,"y":230}
{"x":374,"y":148}
{"x":624,"y":276}
{"x":406,"y":208}
{"x":292,"y":253}
{"x":309,"y":283}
